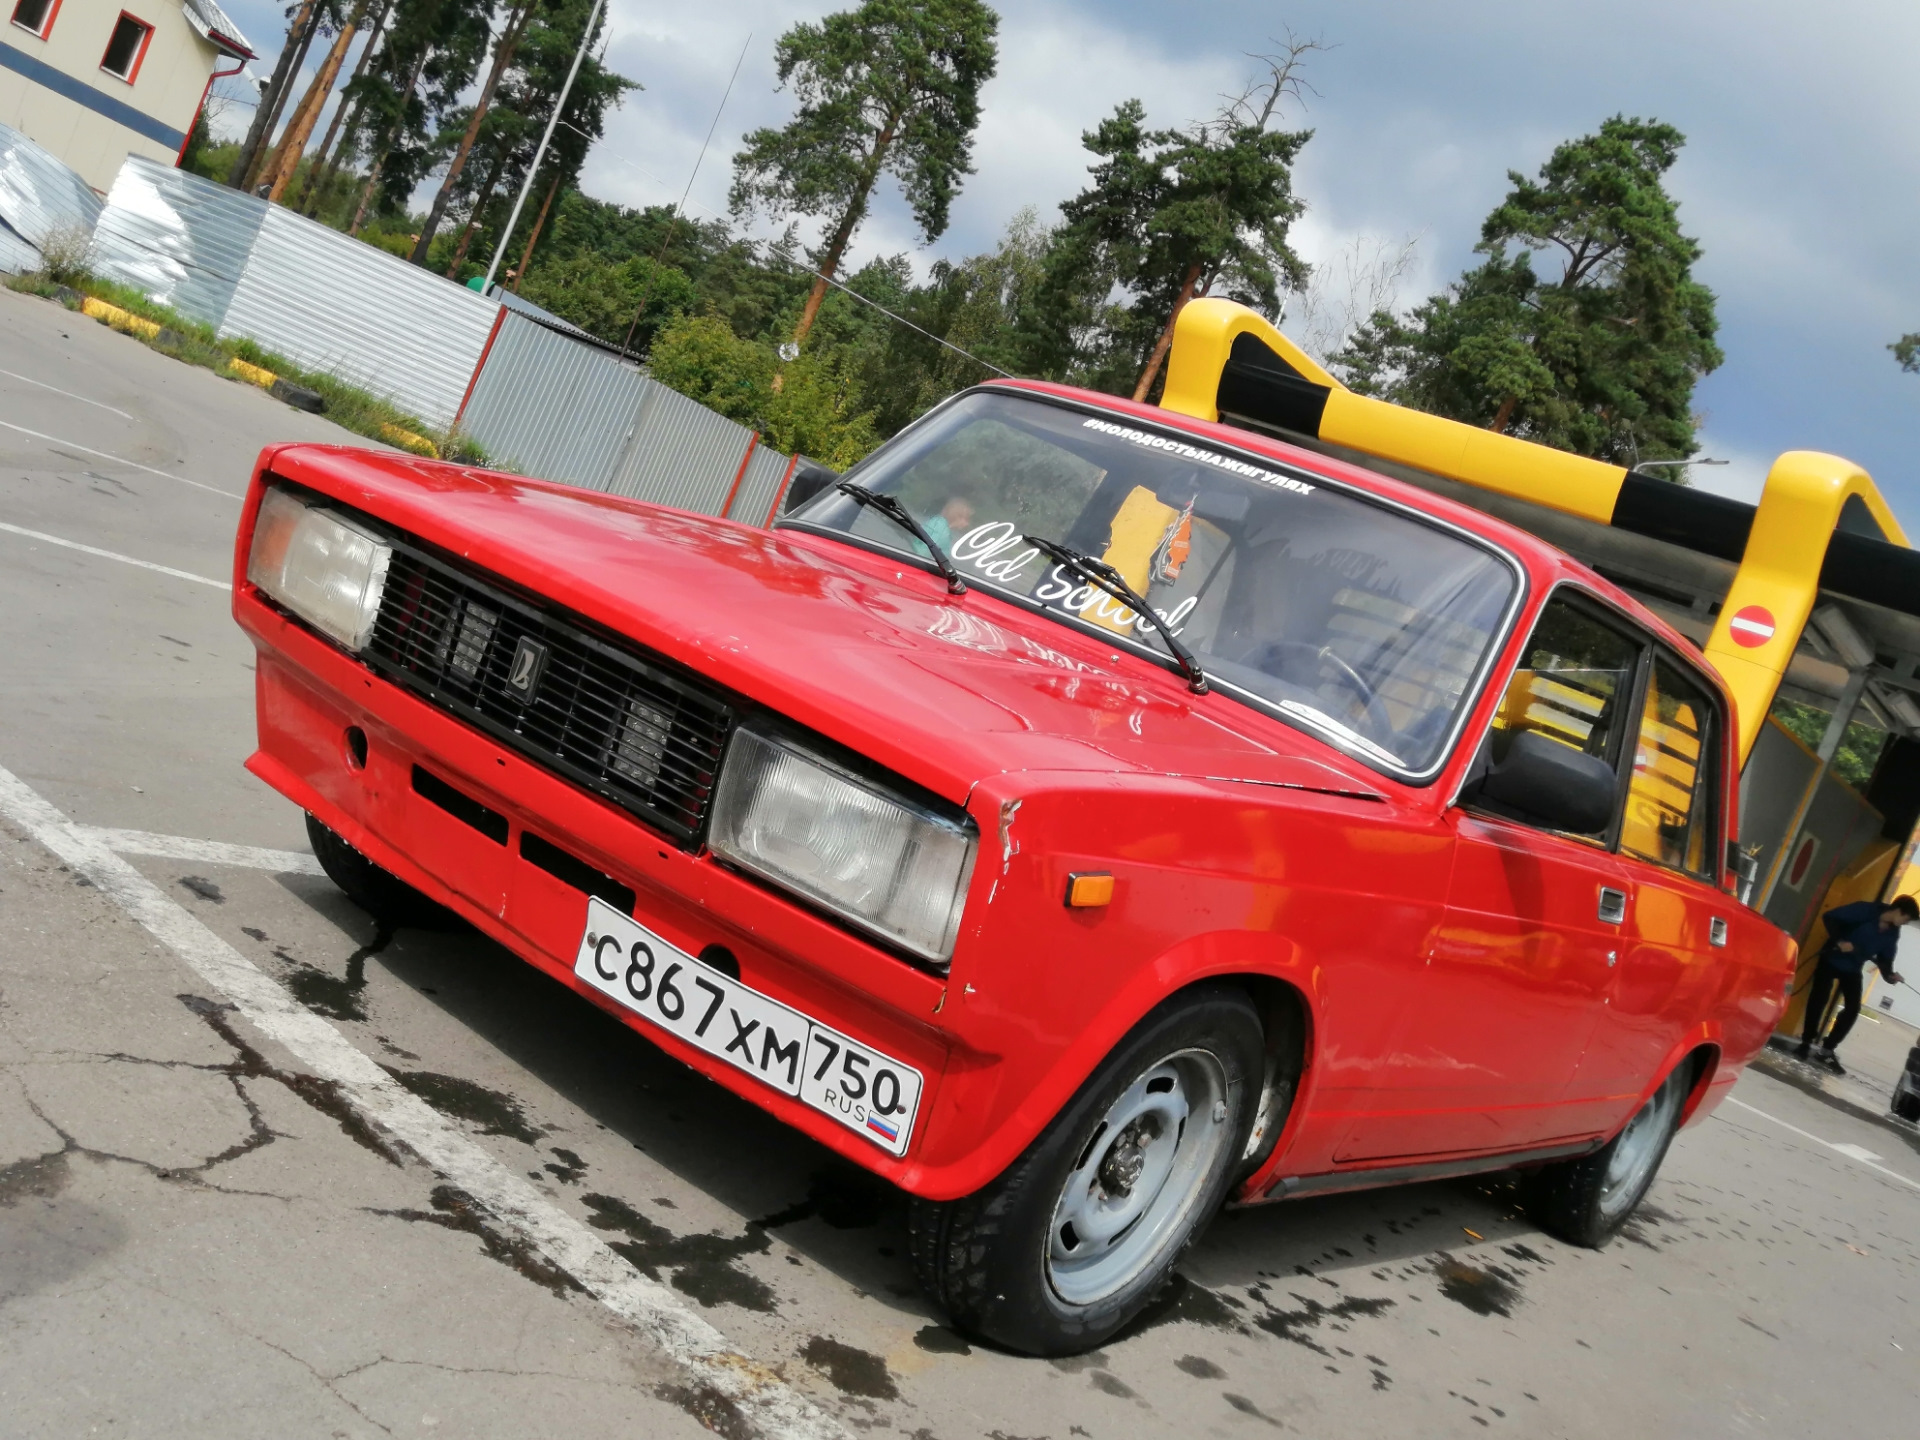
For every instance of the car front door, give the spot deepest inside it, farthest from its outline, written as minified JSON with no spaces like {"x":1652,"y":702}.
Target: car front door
{"x":1672,"y":963}
{"x":1493,"y":1023}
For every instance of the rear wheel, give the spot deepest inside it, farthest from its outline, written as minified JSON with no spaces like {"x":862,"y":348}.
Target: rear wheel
{"x":388,"y":899}
{"x":1586,"y":1201}
{"x":1073,"y":1239}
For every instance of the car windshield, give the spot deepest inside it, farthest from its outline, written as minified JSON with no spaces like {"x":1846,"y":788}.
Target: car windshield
{"x":1358,"y":621}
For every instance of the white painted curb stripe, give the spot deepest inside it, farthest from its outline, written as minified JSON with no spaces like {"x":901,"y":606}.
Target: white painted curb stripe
{"x":131,"y":464}
{"x":1855,"y":1153}
{"x":115,"y":555}
{"x":207,"y":852}
{"x":651,"y":1308}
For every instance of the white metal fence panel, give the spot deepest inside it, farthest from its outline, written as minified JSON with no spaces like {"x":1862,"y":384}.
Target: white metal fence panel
{"x":181,"y":239}
{"x":548,"y":406}
{"x":680,"y":453}
{"x":766,"y":476}
{"x":331,"y":303}
{"x":17,"y":257}
{"x":38,"y":194}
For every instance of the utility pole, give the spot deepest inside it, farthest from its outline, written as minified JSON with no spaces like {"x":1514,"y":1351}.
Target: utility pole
{"x":520,"y":200}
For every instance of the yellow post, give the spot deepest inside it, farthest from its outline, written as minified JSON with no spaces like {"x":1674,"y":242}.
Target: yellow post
{"x":1778,"y":582}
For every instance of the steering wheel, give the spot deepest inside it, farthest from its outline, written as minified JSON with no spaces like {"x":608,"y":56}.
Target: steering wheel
{"x":1324,"y":656}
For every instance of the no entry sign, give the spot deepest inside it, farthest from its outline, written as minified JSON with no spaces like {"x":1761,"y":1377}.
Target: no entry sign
{"x":1752,"y":627}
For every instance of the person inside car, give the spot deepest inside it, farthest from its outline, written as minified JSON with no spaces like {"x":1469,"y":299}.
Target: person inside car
{"x":1865,"y":930}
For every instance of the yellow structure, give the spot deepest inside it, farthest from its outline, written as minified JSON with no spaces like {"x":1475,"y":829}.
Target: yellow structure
{"x":92,"y":81}
{"x":1778,"y":582}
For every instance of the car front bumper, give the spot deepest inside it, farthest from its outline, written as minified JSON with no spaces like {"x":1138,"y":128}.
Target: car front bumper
{"x":309,"y":694}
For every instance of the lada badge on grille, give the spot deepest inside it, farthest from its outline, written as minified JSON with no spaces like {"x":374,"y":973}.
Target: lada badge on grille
{"x":529,"y":663}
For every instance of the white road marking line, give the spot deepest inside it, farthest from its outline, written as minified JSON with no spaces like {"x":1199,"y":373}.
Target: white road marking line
{"x":208,"y":852}
{"x":134,"y":464}
{"x":14,"y":375}
{"x":767,"y":1402}
{"x":1852,"y":1152}
{"x":115,"y":555}
{"x":1858,"y":1152}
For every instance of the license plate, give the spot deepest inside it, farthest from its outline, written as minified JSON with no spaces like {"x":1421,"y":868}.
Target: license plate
{"x":837,"y":1075}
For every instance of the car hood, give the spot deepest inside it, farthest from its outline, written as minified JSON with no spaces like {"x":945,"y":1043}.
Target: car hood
{"x":945,"y":690}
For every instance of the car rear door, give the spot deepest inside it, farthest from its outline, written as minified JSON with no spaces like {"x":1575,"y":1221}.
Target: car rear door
{"x":1677,"y":927}
{"x":1493,"y":1023}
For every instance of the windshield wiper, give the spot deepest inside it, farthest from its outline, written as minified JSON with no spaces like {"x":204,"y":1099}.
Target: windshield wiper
{"x":1103,"y":576}
{"x":903,"y":517}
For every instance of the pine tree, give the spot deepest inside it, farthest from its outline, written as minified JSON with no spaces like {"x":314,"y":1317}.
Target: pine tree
{"x":892,"y":87}
{"x":1600,"y":359}
{"x":1169,"y":215}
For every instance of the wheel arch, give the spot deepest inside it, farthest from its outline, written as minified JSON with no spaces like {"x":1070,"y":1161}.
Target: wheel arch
{"x":1268,"y":969}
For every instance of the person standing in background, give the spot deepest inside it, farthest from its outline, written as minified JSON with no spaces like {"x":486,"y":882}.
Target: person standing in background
{"x":1865,"y":930}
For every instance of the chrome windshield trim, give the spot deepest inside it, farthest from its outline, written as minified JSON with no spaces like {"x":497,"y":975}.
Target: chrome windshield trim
{"x":1367,"y":753}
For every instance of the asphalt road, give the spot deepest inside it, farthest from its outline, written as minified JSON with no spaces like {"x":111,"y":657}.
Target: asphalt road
{"x":202,"y":1234}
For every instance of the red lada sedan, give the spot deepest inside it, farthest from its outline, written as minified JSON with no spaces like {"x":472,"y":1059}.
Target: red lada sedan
{"x":1081,"y":816}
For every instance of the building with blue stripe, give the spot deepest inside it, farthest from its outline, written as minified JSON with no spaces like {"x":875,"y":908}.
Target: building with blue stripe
{"x":92,"y":81}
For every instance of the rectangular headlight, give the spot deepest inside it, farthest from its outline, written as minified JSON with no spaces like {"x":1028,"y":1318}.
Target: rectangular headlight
{"x":888,"y":864}
{"x":324,"y":568}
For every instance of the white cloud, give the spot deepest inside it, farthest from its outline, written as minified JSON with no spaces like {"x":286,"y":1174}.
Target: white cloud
{"x":1801,"y":176}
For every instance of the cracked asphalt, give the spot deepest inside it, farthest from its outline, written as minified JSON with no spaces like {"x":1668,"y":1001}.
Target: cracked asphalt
{"x":202,"y":1234}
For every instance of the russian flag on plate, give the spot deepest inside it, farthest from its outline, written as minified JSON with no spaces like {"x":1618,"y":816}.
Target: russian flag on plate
{"x":882,"y":1127}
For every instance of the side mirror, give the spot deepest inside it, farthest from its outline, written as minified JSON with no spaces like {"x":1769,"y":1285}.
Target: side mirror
{"x":1550,"y":784}
{"x":1744,"y":867}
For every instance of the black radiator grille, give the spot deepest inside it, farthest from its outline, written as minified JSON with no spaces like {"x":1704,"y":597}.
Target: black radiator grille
{"x":599,"y":711}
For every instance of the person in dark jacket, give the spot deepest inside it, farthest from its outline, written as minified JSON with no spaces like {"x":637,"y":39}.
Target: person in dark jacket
{"x":1865,"y":930}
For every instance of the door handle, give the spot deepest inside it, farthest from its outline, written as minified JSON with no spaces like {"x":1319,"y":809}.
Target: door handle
{"x":1717,"y":931}
{"x":1613,"y":905}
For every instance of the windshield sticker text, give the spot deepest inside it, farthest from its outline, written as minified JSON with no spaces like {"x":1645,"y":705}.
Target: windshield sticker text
{"x":996,"y":551}
{"x":1146,"y":439}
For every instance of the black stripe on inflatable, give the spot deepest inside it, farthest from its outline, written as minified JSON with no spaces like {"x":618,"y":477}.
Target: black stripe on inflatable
{"x":1257,"y":385}
{"x":1683,"y":516}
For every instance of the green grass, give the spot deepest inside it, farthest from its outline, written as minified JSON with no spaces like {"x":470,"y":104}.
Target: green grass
{"x":348,"y":406}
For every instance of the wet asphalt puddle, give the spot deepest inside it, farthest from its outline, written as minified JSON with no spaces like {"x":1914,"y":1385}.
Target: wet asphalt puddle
{"x":800,"y":1257}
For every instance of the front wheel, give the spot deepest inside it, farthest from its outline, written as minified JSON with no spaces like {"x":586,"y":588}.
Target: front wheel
{"x":1586,"y":1201}
{"x":1074,"y":1238}
{"x":389,"y":900}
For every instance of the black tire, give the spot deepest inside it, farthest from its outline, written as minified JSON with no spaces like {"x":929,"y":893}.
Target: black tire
{"x":985,"y":1258}
{"x":389,"y":900}
{"x":1581,"y":1201}
{"x":1906,"y":1100}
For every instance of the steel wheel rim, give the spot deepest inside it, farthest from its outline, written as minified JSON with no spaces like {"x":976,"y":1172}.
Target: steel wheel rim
{"x":1137,"y":1181}
{"x":1637,"y":1151}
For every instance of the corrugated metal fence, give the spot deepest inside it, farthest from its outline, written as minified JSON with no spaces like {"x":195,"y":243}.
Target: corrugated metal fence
{"x":183,"y":241}
{"x":39,"y":196}
{"x":540,"y":399}
{"x":550,"y":405}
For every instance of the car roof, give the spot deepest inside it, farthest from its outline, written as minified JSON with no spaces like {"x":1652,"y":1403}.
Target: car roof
{"x":1546,"y":564}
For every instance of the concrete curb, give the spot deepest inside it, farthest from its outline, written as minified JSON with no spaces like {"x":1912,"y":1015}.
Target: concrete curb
{"x":119,"y":319}
{"x":1827,"y":1091}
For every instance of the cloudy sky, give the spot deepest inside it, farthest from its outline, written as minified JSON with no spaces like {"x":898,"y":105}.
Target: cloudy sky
{"x":1801,"y":176}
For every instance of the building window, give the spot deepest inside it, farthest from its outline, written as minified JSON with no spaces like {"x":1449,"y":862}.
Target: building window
{"x":36,"y":16}
{"x":127,"y":48}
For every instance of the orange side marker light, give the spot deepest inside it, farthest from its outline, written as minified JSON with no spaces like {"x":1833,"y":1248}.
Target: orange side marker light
{"x":1084,"y":891}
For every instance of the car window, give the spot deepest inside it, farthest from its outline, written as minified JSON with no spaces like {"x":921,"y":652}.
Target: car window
{"x":1575,"y":677}
{"x":1670,"y":813}
{"x":1361,"y":622}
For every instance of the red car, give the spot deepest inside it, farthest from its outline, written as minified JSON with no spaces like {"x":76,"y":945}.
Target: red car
{"x":1081,"y":816}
